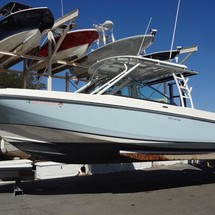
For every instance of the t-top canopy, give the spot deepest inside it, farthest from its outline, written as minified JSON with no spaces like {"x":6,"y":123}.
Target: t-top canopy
{"x":147,"y":70}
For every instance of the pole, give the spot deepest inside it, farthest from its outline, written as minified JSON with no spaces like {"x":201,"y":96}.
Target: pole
{"x":174,"y":30}
{"x":62,"y":12}
{"x":49,"y":79}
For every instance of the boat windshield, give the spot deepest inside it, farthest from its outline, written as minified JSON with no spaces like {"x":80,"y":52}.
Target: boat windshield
{"x":129,"y":88}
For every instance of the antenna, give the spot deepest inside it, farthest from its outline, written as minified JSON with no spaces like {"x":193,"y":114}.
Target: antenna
{"x":144,"y":36}
{"x":62,"y":12}
{"x":173,"y":35}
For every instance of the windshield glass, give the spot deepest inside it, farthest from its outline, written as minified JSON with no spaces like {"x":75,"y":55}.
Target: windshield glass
{"x":128,"y":88}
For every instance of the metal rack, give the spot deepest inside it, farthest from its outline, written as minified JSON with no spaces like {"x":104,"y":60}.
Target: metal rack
{"x":69,"y":19}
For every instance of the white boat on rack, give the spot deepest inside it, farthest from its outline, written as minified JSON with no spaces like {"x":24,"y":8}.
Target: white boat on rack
{"x":120,"y":109}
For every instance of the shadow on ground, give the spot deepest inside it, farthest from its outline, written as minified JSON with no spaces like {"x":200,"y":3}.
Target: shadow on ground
{"x":123,"y":182}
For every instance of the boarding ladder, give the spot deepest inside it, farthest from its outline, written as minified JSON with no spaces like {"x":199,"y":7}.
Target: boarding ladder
{"x":183,"y":89}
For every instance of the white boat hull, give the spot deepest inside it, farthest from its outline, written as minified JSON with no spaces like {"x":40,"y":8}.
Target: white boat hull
{"x":20,"y":43}
{"x":81,"y":128}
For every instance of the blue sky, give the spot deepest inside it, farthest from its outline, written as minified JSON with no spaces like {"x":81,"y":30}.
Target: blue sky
{"x":195,"y":27}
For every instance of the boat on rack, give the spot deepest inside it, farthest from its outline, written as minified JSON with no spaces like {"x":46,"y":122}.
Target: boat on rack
{"x":107,"y":46}
{"x":21,"y":30}
{"x":73,"y":47}
{"x":125,"y":46}
{"x":122,"y":108}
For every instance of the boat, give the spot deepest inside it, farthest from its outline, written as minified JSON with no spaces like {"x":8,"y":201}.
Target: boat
{"x":107,"y":46}
{"x":124,"y":107}
{"x":21,"y":30}
{"x":125,"y":46}
{"x":73,"y":47}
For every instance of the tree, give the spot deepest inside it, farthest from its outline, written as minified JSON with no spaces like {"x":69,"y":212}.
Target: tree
{"x":15,"y":80}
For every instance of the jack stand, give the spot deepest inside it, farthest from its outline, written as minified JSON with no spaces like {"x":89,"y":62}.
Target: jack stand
{"x":17,"y":188}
